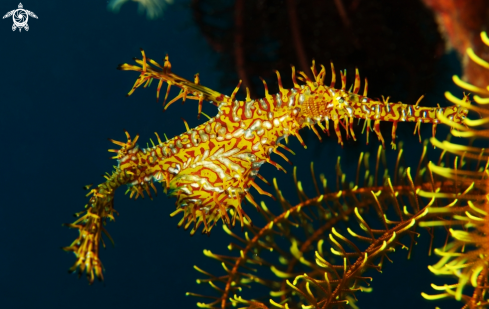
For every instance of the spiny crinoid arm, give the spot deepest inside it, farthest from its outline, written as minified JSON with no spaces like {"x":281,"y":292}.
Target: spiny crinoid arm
{"x":481,"y":93}
{"x":306,"y":274}
{"x":466,"y":257}
{"x":189,"y":90}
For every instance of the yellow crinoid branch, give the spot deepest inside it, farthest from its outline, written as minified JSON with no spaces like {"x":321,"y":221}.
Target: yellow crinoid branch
{"x":317,"y":262}
{"x":466,"y":257}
